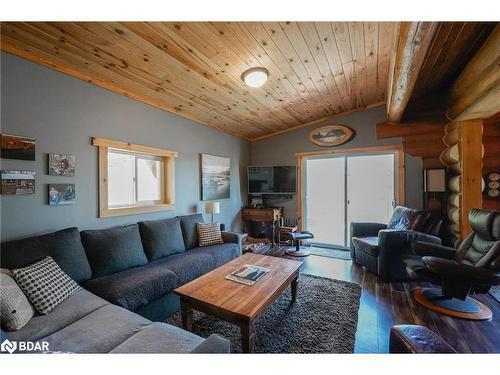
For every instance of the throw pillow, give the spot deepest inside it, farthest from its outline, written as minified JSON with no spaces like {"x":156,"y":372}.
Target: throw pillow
{"x":114,"y":249}
{"x":161,"y":238}
{"x":404,"y":218}
{"x":15,"y":309}
{"x":209,"y":234}
{"x":45,"y":284}
{"x":64,"y":246}
{"x":189,"y":229}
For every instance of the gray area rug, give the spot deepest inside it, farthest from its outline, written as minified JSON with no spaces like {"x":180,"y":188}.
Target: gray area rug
{"x":322,"y":320}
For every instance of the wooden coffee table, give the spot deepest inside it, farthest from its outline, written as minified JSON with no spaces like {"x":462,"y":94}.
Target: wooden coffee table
{"x":238,"y":303}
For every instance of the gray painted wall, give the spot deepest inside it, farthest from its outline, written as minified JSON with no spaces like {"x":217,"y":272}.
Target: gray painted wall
{"x":281,"y":149}
{"x":62,"y":113}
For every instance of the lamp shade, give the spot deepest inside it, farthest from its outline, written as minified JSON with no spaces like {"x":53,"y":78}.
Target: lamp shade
{"x":212,"y":208}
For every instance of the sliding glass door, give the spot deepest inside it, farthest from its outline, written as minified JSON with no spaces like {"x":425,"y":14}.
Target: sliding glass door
{"x":370,"y":189}
{"x":340,"y":189}
{"x":325,"y":199}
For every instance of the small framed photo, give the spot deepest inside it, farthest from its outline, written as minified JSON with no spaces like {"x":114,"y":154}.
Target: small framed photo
{"x":17,"y":182}
{"x":17,"y":147}
{"x":61,"y":194}
{"x":62,"y":165}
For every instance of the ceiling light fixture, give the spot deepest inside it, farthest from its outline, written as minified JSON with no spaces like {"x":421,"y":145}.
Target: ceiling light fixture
{"x":255,"y":77}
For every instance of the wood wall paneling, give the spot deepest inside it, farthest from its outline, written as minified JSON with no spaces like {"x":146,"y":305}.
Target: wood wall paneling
{"x":476,"y":92}
{"x":453,"y":45}
{"x":471,"y":160}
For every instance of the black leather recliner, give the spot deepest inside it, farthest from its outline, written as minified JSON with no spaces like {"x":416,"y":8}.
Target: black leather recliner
{"x":380,"y":247}
{"x":472,"y":268}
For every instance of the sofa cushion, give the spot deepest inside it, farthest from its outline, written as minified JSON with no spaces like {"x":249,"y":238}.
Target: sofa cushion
{"x":187,"y":266}
{"x":209,"y":234}
{"x":404,"y":218}
{"x":64,"y":246}
{"x":15,"y":309}
{"x":45,"y":284}
{"x":161,"y":238}
{"x":114,"y":249}
{"x":98,"y":332}
{"x":367,"y":245}
{"x":69,"y":311}
{"x":200,"y":260}
{"x":160,"y":338}
{"x":221,"y":253}
{"x":135,"y":287}
{"x":189,"y":232}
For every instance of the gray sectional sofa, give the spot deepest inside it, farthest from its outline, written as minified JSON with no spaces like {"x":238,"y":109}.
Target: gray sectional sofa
{"x":128,"y":274}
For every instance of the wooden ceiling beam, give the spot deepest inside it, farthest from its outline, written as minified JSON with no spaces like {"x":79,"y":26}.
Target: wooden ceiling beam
{"x":412,"y":43}
{"x":389,"y":130}
{"x":476,"y":92}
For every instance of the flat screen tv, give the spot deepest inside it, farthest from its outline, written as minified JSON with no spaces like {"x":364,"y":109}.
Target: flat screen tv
{"x":272,"y":180}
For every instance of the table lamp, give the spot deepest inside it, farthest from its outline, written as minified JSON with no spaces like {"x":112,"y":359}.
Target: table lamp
{"x":212,"y":208}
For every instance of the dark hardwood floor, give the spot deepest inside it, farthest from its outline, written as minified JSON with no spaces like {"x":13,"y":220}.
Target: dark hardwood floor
{"x":385,"y":304}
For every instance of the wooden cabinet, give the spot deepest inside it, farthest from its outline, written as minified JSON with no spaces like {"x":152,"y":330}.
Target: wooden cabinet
{"x":261,"y":214}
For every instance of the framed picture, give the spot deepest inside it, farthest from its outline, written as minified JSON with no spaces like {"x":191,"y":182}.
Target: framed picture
{"x":17,"y":182}
{"x":331,"y":135}
{"x":62,"y":165}
{"x":215,"y":177}
{"x":61,"y":194}
{"x":17,"y":147}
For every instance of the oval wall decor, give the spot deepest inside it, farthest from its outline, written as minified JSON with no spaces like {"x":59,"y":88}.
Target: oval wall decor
{"x":331,"y":135}
{"x":492,"y":185}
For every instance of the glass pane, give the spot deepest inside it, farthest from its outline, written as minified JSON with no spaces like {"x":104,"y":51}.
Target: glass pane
{"x":325,"y":200}
{"x":370,"y":188}
{"x":149,"y":180}
{"x":121,"y":171}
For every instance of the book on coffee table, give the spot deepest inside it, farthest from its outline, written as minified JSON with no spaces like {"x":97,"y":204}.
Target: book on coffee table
{"x":247,"y":274}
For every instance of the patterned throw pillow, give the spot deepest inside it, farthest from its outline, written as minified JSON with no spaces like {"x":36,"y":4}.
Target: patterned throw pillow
{"x":209,"y":234}
{"x":45,"y":284}
{"x":15,"y":309}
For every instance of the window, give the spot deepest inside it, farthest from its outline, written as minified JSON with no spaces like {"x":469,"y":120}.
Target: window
{"x":134,"y":179}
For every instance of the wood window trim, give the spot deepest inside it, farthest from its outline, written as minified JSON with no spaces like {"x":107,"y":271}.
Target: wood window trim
{"x":168,"y":157}
{"x":397,"y":149}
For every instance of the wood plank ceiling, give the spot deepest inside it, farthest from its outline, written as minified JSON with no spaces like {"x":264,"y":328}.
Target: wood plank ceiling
{"x":317,"y":69}
{"x":453,"y":46}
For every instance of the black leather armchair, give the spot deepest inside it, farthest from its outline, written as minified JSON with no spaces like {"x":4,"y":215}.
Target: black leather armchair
{"x":472,"y":268}
{"x":380,"y":247}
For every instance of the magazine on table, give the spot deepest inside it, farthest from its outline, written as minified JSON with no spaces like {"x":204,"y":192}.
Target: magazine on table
{"x":247,"y":274}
